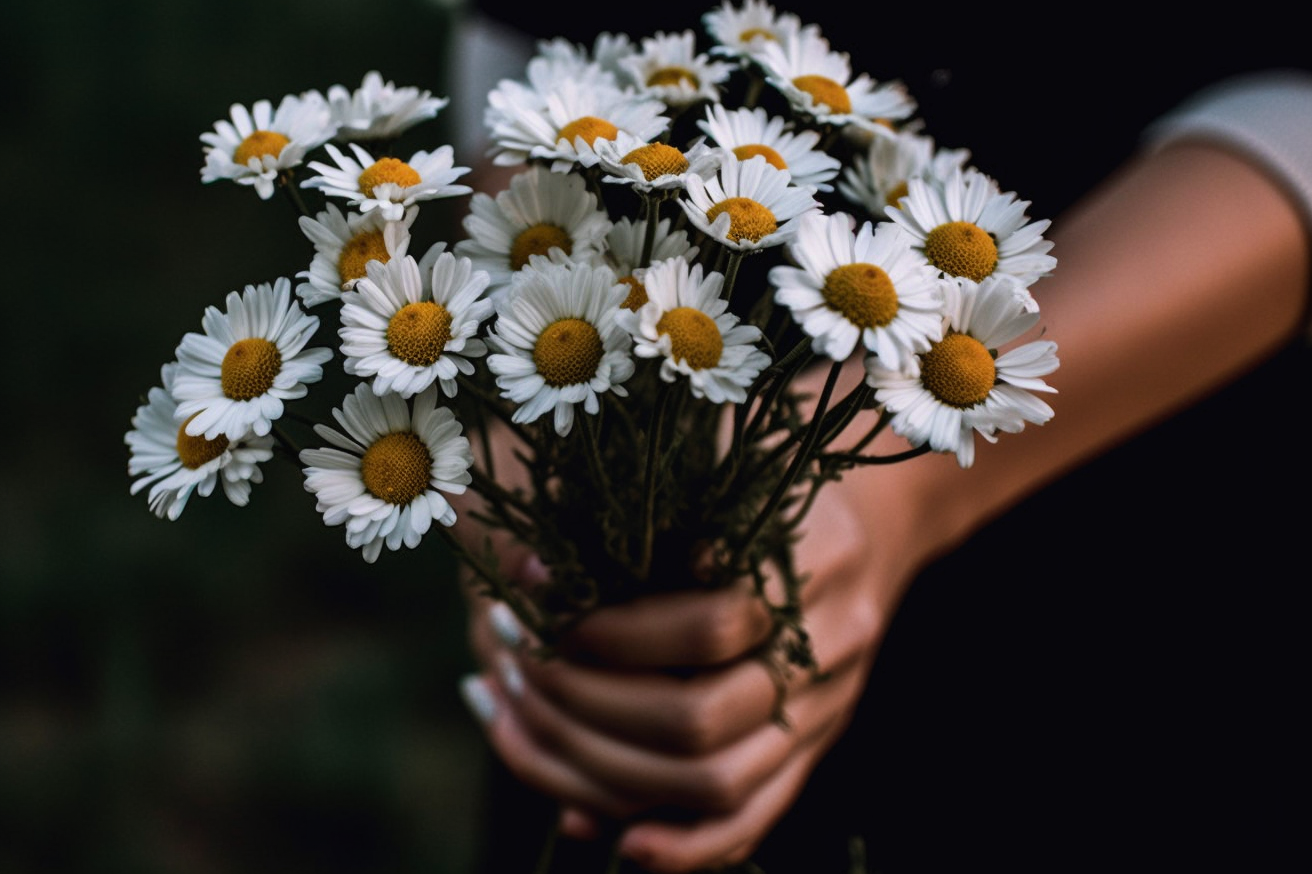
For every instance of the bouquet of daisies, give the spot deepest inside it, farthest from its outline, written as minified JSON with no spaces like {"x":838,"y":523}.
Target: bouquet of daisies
{"x":690,"y":222}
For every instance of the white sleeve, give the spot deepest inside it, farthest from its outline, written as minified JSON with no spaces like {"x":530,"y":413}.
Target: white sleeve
{"x":1265,"y":116}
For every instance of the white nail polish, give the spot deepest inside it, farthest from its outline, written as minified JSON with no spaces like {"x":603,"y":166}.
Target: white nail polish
{"x":478,"y":697}
{"x":505,"y":624}
{"x":511,"y":676}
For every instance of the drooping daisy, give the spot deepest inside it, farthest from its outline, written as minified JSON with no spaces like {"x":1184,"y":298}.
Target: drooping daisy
{"x":625,"y":246}
{"x":563,"y":124}
{"x":737,"y":30}
{"x":961,"y":385}
{"x":406,"y":330}
{"x":867,"y":286}
{"x":818,"y":82}
{"x":385,"y":476}
{"x":556,"y":342}
{"x":343,"y":245}
{"x":967,"y":227}
{"x":669,"y":68}
{"x":559,"y":59}
{"x":878,"y":178}
{"x":656,"y":166}
{"x":687,"y":324}
{"x":748,"y":205}
{"x":379,"y":110}
{"x":261,"y":143}
{"x":747,"y":132}
{"x":388,"y":185}
{"x":175,"y":464}
{"x":538,"y":212}
{"x":234,"y":377}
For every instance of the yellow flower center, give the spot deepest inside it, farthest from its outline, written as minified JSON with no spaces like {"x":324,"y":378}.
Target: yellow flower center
{"x":896,"y":193}
{"x":249,"y":368}
{"x":590,"y":128}
{"x":568,"y":352}
{"x":195,"y":452}
{"x":419,"y":332}
{"x":694,"y":337}
{"x":958,"y":370}
{"x":826,"y":91}
{"x":538,"y":240}
{"x":397,"y":468}
{"x":637,"y":296}
{"x":962,"y":249}
{"x":386,"y":170}
{"x":747,"y":218}
{"x":752,"y":33}
{"x":259,"y":144}
{"x":364,"y":247}
{"x":656,"y":160}
{"x":862,"y":293}
{"x":673,"y":76}
{"x":751,"y":151}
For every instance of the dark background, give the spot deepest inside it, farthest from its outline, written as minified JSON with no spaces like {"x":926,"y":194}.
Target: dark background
{"x":1115,"y":674}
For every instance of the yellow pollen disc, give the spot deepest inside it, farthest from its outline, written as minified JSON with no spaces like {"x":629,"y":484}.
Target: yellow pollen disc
{"x":896,"y":193}
{"x":637,"y":293}
{"x":958,"y":370}
{"x":386,"y":170}
{"x":195,"y":452}
{"x":259,"y":144}
{"x":775,"y":160}
{"x":657,"y":159}
{"x":747,"y":218}
{"x":752,"y":33}
{"x":862,"y":293}
{"x":568,"y":352}
{"x":673,"y":76}
{"x":538,"y":240}
{"x":962,"y":249}
{"x":825,"y":90}
{"x":397,"y":468}
{"x":419,"y":332}
{"x":364,"y":247}
{"x":694,"y":337}
{"x":590,"y":128}
{"x":249,"y":368}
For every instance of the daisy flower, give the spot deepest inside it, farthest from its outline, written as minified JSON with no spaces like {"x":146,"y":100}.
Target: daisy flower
{"x":738,"y":30}
{"x":384,"y":477}
{"x":961,"y":385}
{"x":563,"y":125}
{"x":175,"y":464}
{"x":378,"y":110}
{"x":406,"y":332}
{"x":818,"y":82}
{"x":261,"y":143}
{"x":747,"y":133}
{"x":538,"y":212}
{"x":234,"y":377}
{"x":687,"y":324}
{"x":867,"y":286}
{"x":878,"y":178}
{"x":967,"y":227}
{"x":343,"y":245}
{"x":625,"y":253}
{"x":653,"y":166}
{"x":558,"y":60}
{"x":556,"y":342}
{"x":388,"y":185}
{"x":748,"y":206}
{"x":669,"y":68}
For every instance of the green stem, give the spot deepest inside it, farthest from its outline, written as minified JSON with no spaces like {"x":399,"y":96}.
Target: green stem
{"x":649,"y":477}
{"x":287,"y":182}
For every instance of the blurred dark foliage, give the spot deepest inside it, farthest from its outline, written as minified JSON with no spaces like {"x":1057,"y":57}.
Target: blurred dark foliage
{"x":235,"y":691}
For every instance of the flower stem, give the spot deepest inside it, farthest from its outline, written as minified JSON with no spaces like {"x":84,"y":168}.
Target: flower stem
{"x":649,"y":478}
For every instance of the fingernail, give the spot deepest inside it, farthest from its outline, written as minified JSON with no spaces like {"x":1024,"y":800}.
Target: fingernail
{"x":505,"y":624}
{"x":533,"y":572}
{"x":478,"y":697}
{"x":511,"y":676}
